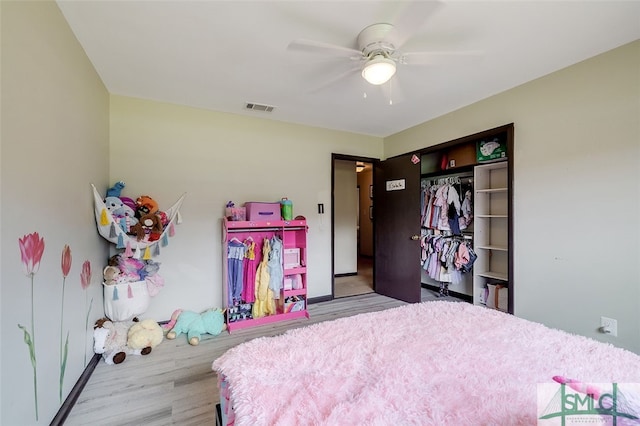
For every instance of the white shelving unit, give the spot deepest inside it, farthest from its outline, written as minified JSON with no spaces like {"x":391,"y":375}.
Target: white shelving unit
{"x":491,"y":229}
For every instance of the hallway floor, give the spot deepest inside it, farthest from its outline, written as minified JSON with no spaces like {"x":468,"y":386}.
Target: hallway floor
{"x":353,"y":285}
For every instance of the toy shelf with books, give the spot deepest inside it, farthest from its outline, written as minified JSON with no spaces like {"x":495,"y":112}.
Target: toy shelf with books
{"x":244,"y":244}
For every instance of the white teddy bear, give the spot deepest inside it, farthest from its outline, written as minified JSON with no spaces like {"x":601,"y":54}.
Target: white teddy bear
{"x":110,"y":340}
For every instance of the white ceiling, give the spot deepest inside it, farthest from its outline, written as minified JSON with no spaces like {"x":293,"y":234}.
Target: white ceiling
{"x":219,"y":55}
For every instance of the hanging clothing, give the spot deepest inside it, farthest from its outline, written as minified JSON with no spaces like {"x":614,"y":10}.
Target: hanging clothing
{"x":466,"y":209}
{"x":235,"y":258}
{"x":442,"y":220}
{"x":454,"y":220}
{"x":249,"y":279}
{"x":472,"y":258}
{"x":263,"y":304}
{"x":446,"y":258}
{"x":442,"y":209}
{"x":276,"y":271}
{"x":462,"y":256}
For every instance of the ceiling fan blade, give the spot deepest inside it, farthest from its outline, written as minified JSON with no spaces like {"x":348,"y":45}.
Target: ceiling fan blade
{"x":409,"y":21}
{"x":434,"y":58}
{"x":343,"y":75}
{"x":312,"y":46}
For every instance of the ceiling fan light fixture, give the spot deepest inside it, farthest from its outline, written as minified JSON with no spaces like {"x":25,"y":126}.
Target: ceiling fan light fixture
{"x":378,"y":70}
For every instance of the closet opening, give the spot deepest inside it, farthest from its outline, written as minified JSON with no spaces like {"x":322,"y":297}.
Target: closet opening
{"x":451,"y":206}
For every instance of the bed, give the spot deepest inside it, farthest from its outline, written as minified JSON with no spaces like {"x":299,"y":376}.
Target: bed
{"x":433,"y":363}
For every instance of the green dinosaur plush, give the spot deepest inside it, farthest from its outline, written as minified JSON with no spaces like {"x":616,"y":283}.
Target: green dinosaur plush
{"x":195,"y":324}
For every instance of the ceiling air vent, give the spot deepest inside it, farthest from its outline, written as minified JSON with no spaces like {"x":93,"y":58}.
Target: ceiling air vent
{"x":258,"y":107}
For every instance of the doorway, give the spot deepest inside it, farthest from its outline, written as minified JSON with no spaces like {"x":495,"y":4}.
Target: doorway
{"x":352,"y":226}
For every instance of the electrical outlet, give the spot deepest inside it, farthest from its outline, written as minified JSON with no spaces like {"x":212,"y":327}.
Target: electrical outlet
{"x":609,"y":326}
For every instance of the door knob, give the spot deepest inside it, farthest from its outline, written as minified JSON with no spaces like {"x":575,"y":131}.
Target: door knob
{"x":415,"y":237}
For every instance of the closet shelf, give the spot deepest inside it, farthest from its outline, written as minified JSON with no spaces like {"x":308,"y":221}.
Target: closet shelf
{"x":447,"y":172}
{"x":489,"y":190}
{"x":493,"y":247}
{"x":495,"y":275}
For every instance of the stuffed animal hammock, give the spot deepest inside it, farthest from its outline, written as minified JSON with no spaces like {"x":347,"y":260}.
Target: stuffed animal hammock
{"x":111,"y":230}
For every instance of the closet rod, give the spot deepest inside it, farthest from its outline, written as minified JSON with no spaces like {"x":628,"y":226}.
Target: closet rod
{"x":463,"y":236}
{"x":450,"y":180}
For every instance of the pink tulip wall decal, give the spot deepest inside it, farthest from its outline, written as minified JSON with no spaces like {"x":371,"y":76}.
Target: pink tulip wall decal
{"x":65,"y":265}
{"x":31,"y":250}
{"x":85,"y":282}
{"x":65,"y":262}
{"x":85,"y":275}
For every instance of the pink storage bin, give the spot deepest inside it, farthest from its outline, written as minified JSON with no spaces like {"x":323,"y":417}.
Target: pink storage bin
{"x":262,"y":211}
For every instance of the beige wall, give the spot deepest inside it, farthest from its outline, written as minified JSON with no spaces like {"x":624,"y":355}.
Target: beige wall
{"x":164,"y":150}
{"x":576,"y":190}
{"x":54,"y":143}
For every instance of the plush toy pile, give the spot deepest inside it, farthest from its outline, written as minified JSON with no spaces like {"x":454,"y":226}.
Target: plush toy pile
{"x":141,"y":218}
{"x":138,"y":228}
{"x":123,"y":269}
{"x":114,"y":340}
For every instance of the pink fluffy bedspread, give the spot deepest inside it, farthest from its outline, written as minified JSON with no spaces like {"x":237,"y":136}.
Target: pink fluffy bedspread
{"x":433,"y":363}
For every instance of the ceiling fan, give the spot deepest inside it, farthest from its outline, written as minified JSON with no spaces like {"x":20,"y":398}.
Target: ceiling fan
{"x":379,"y":51}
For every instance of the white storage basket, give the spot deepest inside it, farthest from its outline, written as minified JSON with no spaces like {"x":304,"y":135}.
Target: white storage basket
{"x":122,"y":302}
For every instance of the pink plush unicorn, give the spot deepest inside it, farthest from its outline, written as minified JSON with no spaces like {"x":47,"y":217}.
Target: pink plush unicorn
{"x":174,"y":317}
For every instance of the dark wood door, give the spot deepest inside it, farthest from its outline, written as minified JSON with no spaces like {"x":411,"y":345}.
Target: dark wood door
{"x":396,"y":204}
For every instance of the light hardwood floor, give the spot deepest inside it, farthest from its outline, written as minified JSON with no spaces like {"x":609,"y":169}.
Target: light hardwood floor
{"x":174,"y":384}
